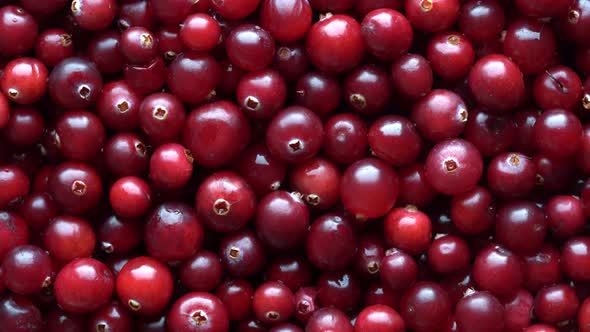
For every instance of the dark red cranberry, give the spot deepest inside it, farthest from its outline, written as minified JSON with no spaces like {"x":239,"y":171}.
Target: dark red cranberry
{"x":542,"y":268}
{"x":15,"y":184}
{"x":521,"y":226}
{"x":19,"y":30}
{"x":481,"y":20}
{"x":367,"y":89}
{"x":448,"y":254}
{"x":563,"y":127}
{"x":161,"y":116}
{"x":24,"y":80}
{"x":250,"y":47}
{"x":565,"y":216}
{"x":191,"y":66}
{"x":379,"y":318}
{"x":341,"y":290}
{"x":525,"y":122}
{"x":491,"y":133}
{"x":411,"y":76}
{"x":331,"y":244}
{"x":498,"y":270}
{"x":531,"y":45}
{"x":202,"y":272}
{"x":425,"y":307}
{"x":261,"y":170}
{"x":130,"y":197}
{"x":291,"y":61}
{"x":242,"y":254}
{"x":440,"y":115}
{"x":83,"y":286}
{"x":225,"y":129}
{"x":94,"y":14}
{"x":27,"y":270}
{"x":511,"y":175}
{"x":335,"y":44}
{"x":305,"y":303}
{"x":454,"y":167}
{"x":414,"y":189}
{"x":116,"y":235}
{"x":230,"y":77}
{"x":318,"y":181}
{"x":398,"y":270}
{"x":432,"y":15}
{"x":25,"y":126}
{"x":584,"y":316}
{"x":543,"y":8}
{"x":198,"y":312}
{"x":200,"y":32}
{"x":282,"y":220}
{"x":287,"y":21}
{"x":173,"y":232}
{"x":138,"y":45}
{"x":517,"y":311}
{"x":125,"y":154}
{"x":345,"y":138}
{"x":387,"y":33}
{"x":320,"y":92}
{"x":19,"y":314}
{"x":38,"y":209}
{"x":53,"y":46}
{"x":13,"y":232}
{"x":451,"y":55}
{"x":273,"y":303}
{"x":171,"y":166}
{"x":149,"y":78}
{"x":496,"y":83}
{"x":236,"y":296}
{"x":118,"y":106}
{"x":553,"y":174}
{"x":171,"y":11}
{"x":480,"y":311}
{"x":262,"y":94}
{"x":225,"y":202}
{"x":328,"y":319}
{"x":557,"y":87}
{"x":169,"y":42}
{"x":574,"y":22}
{"x":58,"y":320}
{"x":408,"y":229}
{"x":556,"y":304}
{"x":575,"y":256}
{"x":235,"y":10}
{"x":74,"y":83}
{"x":76,"y":187}
{"x":67,"y":238}
{"x":103,"y":51}
{"x":135,"y":13}
{"x":295,"y":272}
{"x":145,"y":285}
{"x":81,"y":135}
{"x":112,"y":317}
{"x":369,"y":188}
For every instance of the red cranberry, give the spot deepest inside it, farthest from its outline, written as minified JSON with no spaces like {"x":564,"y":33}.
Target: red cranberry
{"x":331,"y":243}
{"x":294,"y":272}
{"x":432,"y":15}
{"x":414,"y":188}
{"x":345,"y":138}
{"x":250,"y":47}
{"x":273,"y":302}
{"x":318,"y":180}
{"x":67,"y":238}
{"x":83,"y":286}
{"x":27,"y":270}
{"x":24,"y":80}
{"x":556,"y":304}
{"x":557,"y":87}
{"x":287,"y":21}
{"x":448,"y":254}
{"x":119,"y":236}
{"x":425,"y":307}
{"x":76,"y":187}
{"x":13,"y":232}
{"x":367,"y":89}
{"x":4,"y":111}
{"x":517,"y":311}
{"x":363,"y":7}
{"x":291,"y":61}
{"x":15,"y":184}
{"x":440,"y":115}
{"x":81,"y":135}
{"x":225,"y":129}
{"x":118,"y":106}
{"x":173,"y":232}
{"x":398,"y":270}
{"x":481,"y":20}
{"x":542,"y":268}
{"x":542,"y":8}
{"x":584,"y":316}
{"x":200,"y":32}
{"x":74,"y":83}
{"x":19,"y":314}
{"x":58,"y":320}
{"x":480,"y":311}
{"x":574,"y":21}
{"x":145,"y":285}
{"x":521,"y":226}
{"x":191,"y":67}
{"x":130,"y":197}
{"x":341,"y":290}
{"x":38,"y":209}
{"x":497,"y":83}
{"x":451,"y":55}
{"x":261,"y":170}
{"x":161,"y":116}
{"x":411,"y":75}
{"x":103,"y":51}
{"x":491,"y":133}
{"x":511,"y":175}
{"x":135,"y":13}
{"x":565,"y":216}
{"x":498,"y":270}
{"x":236,"y":296}
{"x":171,"y":166}
{"x":563,"y":127}
{"x":335,"y":44}
{"x":282,"y":220}
{"x":170,"y":43}
{"x":18,"y":29}
{"x":575,"y":256}
{"x":319,"y":92}
{"x":125,"y":154}
{"x":387,"y":33}
{"x":525,"y":123}
{"x":328,"y":319}
{"x":531,"y":45}
{"x":306,"y":303}
{"x":111,"y":317}
{"x":286,"y":327}
{"x":94,"y":14}
{"x":242,"y":254}
{"x":294,"y":134}
{"x":138,"y":45}
{"x":454,"y":167}
{"x":202,"y":272}
{"x":171,"y":11}
{"x":225,"y":202}
{"x":379,"y":318}
{"x":408,"y":229}
{"x":149,"y":78}
{"x":262,"y":94}
{"x":198,"y":312}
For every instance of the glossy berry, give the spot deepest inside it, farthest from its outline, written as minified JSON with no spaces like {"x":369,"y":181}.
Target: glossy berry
{"x":511,"y":175}
{"x":379,"y":318}
{"x":521,"y":226}
{"x":345,"y":138}
{"x":262,"y":94}
{"x":191,"y":66}
{"x":198,"y":312}
{"x":425,"y":306}
{"x":328,"y":319}
{"x":282,"y":220}
{"x":242,"y":254}
{"x":293,"y":271}
{"x":318,"y":181}
{"x":250,"y":47}
{"x":565,"y":215}
{"x":144,"y":285}
{"x":440,"y":115}
{"x":74,"y":83}
{"x":27,"y":270}
{"x":557,"y":87}
{"x":67,"y":238}
{"x":261,"y":169}
{"x":331,"y":243}
{"x":341,"y":290}
{"x":481,"y":20}
{"x":451,"y":55}
{"x":448,"y":254}
{"x":171,"y":166}
{"x":367,"y":89}
{"x":202,"y":272}
{"x":118,"y":235}
{"x":111,"y":317}
{"x":530,"y":45}
{"x":126,"y":154}
{"x":287,"y":21}
{"x":494,"y":133}
{"x":387,"y":33}
{"x":24,"y":80}
{"x":273,"y":302}
{"x":565,"y":131}
{"x":94,"y":14}
{"x":138,"y":45}
{"x":557,"y":303}
{"x":76,"y":187}
{"x":432,"y":15}
{"x":15,"y":184}
{"x":398,"y":270}
{"x":542,"y":268}
{"x":574,"y":257}
{"x":320,"y":92}
{"x":19,"y":314}
{"x":408,"y":229}
{"x":498,"y":270}
{"x":81,"y":135}
{"x":414,"y":188}
{"x":118,"y":106}
{"x":130,"y":197}
{"x":411,"y":76}
{"x":19,"y":30}
{"x":38,"y":209}
{"x":236,"y":295}
{"x":480,"y":311}
{"x":291,"y":61}
{"x":161,"y":116}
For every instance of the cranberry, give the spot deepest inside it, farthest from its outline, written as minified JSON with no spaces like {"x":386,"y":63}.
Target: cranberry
{"x":481,"y":20}
{"x":563,"y":127}
{"x":145,"y":285}
{"x":530,"y":45}
{"x":74,"y":83}
{"x":328,"y":319}
{"x":200,"y":32}
{"x":286,"y":327}
{"x":565,"y":215}
{"x":575,"y":253}
{"x":345,"y":138}
{"x":542,"y":268}
{"x":191,"y":66}
{"x":379,"y":318}
{"x":282,"y":220}
{"x":542,"y":8}
{"x":398,"y":270}
{"x":84,"y":285}
{"x":291,"y":61}
{"x":574,"y":21}
{"x":135,"y":13}
{"x":408,"y":229}
{"x":412,"y":76}
{"x":223,"y":126}
{"x":250,"y":47}
{"x":363,"y":7}
{"x":130,"y":197}
{"x":234,"y":10}
{"x":584,"y":316}
{"x":306,"y":303}
{"x":15,"y":184}
{"x":497,"y":83}
{"x":27,"y":270}
{"x":524,"y":122}
{"x":318,"y":181}
{"x":103,"y":51}
{"x":262,"y":94}
{"x":171,"y":166}
{"x":148,"y":78}
{"x":448,"y":254}
{"x":294,"y":134}
{"x":451,"y":55}
{"x":273,"y":302}
{"x":556,"y":304}
{"x":119,"y":236}
{"x":498,"y":270}
{"x":319,"y":92}
{"x":111,"y":317}
{"x":557,"y":87}
{"x":335,"y":44}
{"x":138,"y":45}
{"x":81,"y":135}
{"x":24,"y":80}
{"x":414,"y":188}
{"x":425,"y":306}
{"x":517,"y":311}
{"x":262,"y":171}
{"x":38,"y":209}
{"x":19,"y":30}
{"x":170,"y":43}
{"x":367,"y":89}
{"x":432,"y":15}
{"x":480,"y":311}
{"x":440,"y":115}
{"x":511,"y":175}
{"x":331,"y":243}
{"x":198,"y":311}
{"x":491,"y":133}
{"x":67,"y":238}
{"x":236,"y":296}
{"x":161,"y":116}
{"x":454,"y":167}
{"x":287,"y":21}
{"x":118,"y":106}
{"x":94,"y":14}
{"x":76,"y":187}
{"x":125,"y":154}
{"x":4,"y":111}
{"x":19,"y":314}
{"x":369,"y":188}
{"x":173,"y":232}
{"x":225,"y":202}
{"x":338,"y":6}
{"x":387,"y":33}
{"x":521,"y":226}
{"x":293,"y":271}
{"x":202,"y":272}
{"x":171,"y":11}
{"x":13,"y":232}
{"x":242,"y":254}
{"x":58,"y":320}
{"x":341,"y":290}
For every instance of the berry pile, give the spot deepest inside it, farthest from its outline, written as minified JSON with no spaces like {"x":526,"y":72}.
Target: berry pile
{"x":294,"y":165}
